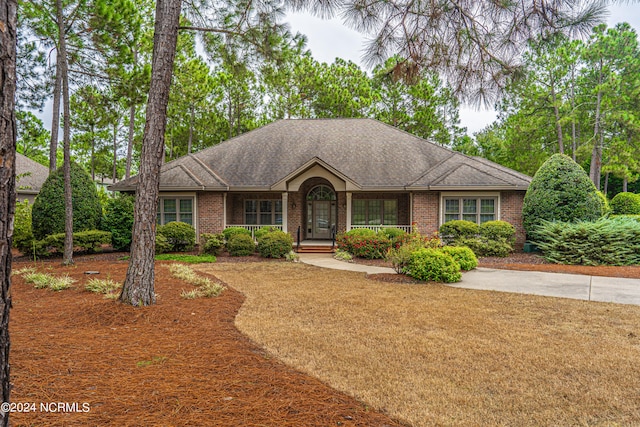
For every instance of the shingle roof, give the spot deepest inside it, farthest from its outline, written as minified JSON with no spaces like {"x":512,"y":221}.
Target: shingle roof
{"x":30,"y":175}
{"x":367,"y":152}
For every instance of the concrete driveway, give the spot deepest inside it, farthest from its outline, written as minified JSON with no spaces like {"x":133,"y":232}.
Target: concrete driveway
{"x":576,"y":286}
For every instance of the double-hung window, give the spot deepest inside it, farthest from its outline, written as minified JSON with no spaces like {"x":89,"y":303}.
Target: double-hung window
{"x":474,"y":209}
{"x":374,"y":212}
{"x":263,"y":212}
{"x":175,"y":209}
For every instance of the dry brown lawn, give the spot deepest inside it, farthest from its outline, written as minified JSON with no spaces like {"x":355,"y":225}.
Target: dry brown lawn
{"x":435,"y":355}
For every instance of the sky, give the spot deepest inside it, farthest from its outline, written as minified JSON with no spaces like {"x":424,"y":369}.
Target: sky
{"x":330,"y":39}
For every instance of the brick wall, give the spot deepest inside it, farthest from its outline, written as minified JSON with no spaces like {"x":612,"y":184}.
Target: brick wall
{"x":210,"y":212}
{"x":511,"y":211}
{"x":426,"y":207}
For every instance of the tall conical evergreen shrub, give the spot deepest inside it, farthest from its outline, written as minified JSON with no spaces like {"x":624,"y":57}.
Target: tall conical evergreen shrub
{"x":48,"y":214}
{"x":560,"y":191}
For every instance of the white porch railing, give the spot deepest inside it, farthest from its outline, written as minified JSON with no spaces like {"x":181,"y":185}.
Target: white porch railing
{"x":252,"y":228}
{"x":377,"y":228}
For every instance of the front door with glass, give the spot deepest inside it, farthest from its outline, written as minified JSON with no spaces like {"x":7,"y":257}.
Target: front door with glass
{"x":321,"y":212}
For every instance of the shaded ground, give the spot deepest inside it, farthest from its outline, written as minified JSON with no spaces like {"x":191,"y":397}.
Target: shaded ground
{"x":181,"y":362}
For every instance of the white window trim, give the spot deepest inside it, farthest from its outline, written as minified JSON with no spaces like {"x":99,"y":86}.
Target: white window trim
{"x":474,"y":194}
{"x":189,"y":195}
{"x":258,"y":212}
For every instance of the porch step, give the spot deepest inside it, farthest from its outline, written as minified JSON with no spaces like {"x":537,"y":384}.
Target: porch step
{"x":314,"y":249}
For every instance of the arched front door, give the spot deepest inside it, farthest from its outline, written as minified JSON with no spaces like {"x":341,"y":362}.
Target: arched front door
{"x":321,"y":212}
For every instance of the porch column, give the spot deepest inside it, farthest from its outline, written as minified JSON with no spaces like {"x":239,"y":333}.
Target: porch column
{"x":224,"y":211}
{"x":411,"y":210}
{"x":349,"y":210}
{"x":285,"y":211}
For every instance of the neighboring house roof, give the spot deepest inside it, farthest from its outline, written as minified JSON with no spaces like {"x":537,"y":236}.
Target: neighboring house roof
{"x":366,"y":153}
{"x":30,"y":175}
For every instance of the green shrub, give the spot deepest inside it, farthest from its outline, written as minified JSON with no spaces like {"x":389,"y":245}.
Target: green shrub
{"x":232,"y":231}
{"x":463,"y":255}
{"x":48,"y":213}
{"x":455,"y":229}
{"x":89,"y":241}
{"x":400,"y":254}
{"x":211,"y":243}
{"x":180,"y":235}
{"x":633,"y":217}
{"x":22,"y":234}
{"x":361,"y":232}
{"x":433,"y":265}
{"x":560,"y":191}
{"x":498,"y":230}
{"x":275,"y":244}
{"x":608,"y":241}
{"x":162,"y":244}
{"x":263,"y":231}
{"x":371,"y":247}
{"x":118,"y":220}
{"x":626,"y":204}
{"x":241,"y":244}
{"x":342,"y":256}
{"x":485,"y":247}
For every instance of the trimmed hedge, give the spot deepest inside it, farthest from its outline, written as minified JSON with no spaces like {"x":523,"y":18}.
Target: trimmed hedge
{"x":463,"y":255}
{"x":275,"y":244}
{"x":608,"y":241}
{"x":626,"y":204}
{"x":48,"y":213}
{"x":498,"y":230}
{"x":180,"y":235}
{"x":241,"y":244}
{"x":457,"y":228}
{"x":433,"y":265}
{"x":211,"y":243}
{"x":232,"y":231}
{"x":374,"y":246}
{"x":560,"y":191}
{"x":491,"y":238}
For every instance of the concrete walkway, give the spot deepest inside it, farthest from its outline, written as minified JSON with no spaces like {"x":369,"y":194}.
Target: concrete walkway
{"x":327,"y":261}
{"x":575,"y":286}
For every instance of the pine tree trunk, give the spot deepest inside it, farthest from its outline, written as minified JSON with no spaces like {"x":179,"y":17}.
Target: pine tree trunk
{"x":55,"y":119}
{"x":114,"y":175}
{"x":556,"y":112}
{"x":132,"y":124}
{"x":67,"y":257}
{"x":138,"y":289}
{"x":7,"y":182}
{"x":596,"y":153}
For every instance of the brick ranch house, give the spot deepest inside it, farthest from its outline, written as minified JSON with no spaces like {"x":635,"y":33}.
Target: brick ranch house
{"x":312,"y":177}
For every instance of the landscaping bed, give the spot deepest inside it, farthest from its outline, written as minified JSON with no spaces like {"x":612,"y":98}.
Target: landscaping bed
{"x":180,"y":362}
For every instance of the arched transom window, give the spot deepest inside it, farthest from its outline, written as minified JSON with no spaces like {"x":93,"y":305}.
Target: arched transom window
{"x":321,"y":192}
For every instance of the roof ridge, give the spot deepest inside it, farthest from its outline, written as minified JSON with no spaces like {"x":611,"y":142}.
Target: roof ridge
{"x":191,"y":174}
{"x":436,"y":166}
{"x":208,"y":169}
{"x":469,"y":166}
{"x":502,"y":168}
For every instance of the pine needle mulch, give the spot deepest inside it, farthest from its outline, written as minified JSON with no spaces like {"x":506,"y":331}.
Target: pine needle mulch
{"x":430,"y":354}
{"x":178,"y":363}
